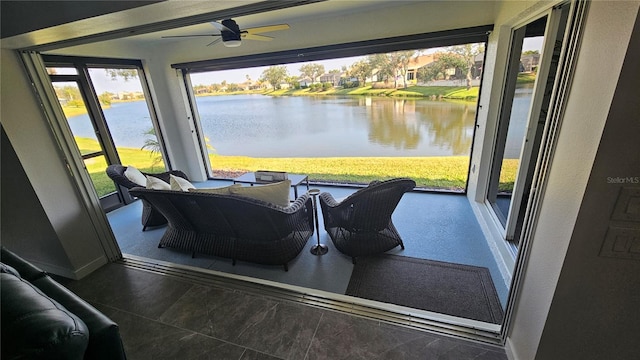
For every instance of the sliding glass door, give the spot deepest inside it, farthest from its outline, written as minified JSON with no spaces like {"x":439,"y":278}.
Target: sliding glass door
{"x":110,"y":117}
{"x":532,"y":67}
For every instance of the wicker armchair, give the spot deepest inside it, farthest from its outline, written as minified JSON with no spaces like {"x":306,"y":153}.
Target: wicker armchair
{"x":361,"y":223}
{"x":150,"y":216}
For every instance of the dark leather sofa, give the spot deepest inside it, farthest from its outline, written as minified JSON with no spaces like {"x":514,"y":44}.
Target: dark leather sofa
{"x":41,"y":319}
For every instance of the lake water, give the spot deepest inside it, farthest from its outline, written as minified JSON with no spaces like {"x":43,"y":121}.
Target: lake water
{"x":303,"y":126}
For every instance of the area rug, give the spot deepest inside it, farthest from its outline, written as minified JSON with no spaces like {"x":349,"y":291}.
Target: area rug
{"x":453,"y":289}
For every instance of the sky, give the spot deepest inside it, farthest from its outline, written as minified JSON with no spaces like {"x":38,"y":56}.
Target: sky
{"x":239,"y":76}
{"x":103,"y":82}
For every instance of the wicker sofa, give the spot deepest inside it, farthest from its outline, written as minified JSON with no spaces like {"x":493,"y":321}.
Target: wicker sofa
{"x":232,"y":226}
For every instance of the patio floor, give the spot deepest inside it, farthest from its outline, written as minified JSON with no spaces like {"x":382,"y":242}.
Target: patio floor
{"x":433,"y":226}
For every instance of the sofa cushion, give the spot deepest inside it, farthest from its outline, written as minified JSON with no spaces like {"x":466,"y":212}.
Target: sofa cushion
{"x":157,"y":184}
{"x":134,"y":175}
{"x":225,"y":190}
{"x":276,"y":193}
{"x":34,"y":326}
{"x":179,"y":184}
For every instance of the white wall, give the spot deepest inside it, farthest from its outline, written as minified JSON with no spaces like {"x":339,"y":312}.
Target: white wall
{"x":175,"y":118}
{"x":42,"y":161}
{"x":606,"y":37}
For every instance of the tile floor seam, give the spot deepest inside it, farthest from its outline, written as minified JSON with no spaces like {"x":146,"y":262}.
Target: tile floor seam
{"x":183,"y":329}
{"x":306,"y":355}
{"x":191,"y":286}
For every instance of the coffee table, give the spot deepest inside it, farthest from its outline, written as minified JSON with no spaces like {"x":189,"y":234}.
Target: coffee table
{"x":296,"y":179}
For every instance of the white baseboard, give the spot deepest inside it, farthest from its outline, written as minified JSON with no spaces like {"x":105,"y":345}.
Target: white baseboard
{"x":69,"y":273}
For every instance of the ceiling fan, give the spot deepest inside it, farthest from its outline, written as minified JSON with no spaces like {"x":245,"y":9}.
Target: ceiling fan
{"x":231,"y":35}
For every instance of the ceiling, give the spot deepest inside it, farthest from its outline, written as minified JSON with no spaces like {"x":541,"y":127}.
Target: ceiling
{"x":138,"y":32}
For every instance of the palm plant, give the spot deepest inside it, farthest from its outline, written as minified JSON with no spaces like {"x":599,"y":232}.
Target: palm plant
{"x":152,"y":144}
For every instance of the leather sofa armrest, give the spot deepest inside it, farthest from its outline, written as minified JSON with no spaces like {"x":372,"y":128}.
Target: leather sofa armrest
{"x":27,"y":271}
{"x":104,"y":340}
{"x":35,"y":326}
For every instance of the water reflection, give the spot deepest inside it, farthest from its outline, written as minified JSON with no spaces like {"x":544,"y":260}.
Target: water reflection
{"x":402,"y":123}
{"x":393,"y":123}
{"x":260,"y":126}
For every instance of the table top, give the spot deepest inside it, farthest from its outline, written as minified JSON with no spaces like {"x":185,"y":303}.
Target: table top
{"x":250,"y":178}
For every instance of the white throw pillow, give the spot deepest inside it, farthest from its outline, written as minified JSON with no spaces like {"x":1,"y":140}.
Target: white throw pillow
{"x":180,"y":184}
{"x":225,"y":190}
{"x":276,"y":193}
{"x":157,"y":184}
{"x":134,"y":175}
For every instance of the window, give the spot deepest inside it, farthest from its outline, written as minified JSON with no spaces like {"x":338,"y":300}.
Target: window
{"x":237,"y":121}
{"x":108,"y":112}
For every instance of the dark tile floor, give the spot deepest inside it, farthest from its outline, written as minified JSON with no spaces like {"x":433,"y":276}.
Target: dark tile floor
{"x":165,"y":317}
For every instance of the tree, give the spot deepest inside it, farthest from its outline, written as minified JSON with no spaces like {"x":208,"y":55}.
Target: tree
{"x":361,"y":70}
{"x":293,"y":82}
{"x":468,"y":52}
{"x":401,"y":61}
{"x":70,"y":95}
{"x":312,"y":71}
{"x":438,"y":68}
{"x":274,"y":75}
{"x":105,"y":98}
{"x":382,"y":63}
{"x":126,"y":74}
{"x":392,"y":65}
{"x":200,"y":89}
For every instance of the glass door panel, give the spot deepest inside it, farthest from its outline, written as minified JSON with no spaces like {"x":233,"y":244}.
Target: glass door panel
{"x":522,"y":72}
{"x":126,"y":113}
{"x":84,"y":133}
{"x":532,"y":69}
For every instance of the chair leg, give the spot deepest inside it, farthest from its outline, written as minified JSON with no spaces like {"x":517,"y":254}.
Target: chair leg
{"x":144,"y":228}
{"x":286,"y":267}
{"x":233,"y":262}
{"x":193,"y":255}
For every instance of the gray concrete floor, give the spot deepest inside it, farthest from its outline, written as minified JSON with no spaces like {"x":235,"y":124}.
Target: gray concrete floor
{"x":432,"y":225}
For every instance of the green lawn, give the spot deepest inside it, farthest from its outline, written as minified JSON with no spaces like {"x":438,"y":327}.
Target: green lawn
{"x":445,"y":172}
{"x":444,"y":92}
{"x":142,"y":159}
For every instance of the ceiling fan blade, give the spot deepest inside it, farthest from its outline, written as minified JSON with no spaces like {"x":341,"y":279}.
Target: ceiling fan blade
{"x":185,"y":36}
{"x":215,"y":41}
{"x":268,"y":28}
{"x":256,"y":37}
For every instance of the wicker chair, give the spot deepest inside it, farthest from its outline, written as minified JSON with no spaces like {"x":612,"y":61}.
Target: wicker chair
{"x":361,"y":223}
{"x":150,"y":216}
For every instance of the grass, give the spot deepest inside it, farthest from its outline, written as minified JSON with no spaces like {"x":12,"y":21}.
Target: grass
{"x":526,"y":78}
{"x":441,"y":172}
{"x":142,"y":159}
{"x":70,"y":111}
{"x":443,"y":92}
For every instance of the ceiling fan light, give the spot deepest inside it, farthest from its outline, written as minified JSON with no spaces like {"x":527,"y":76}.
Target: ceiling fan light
{"x":232,"y":43}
